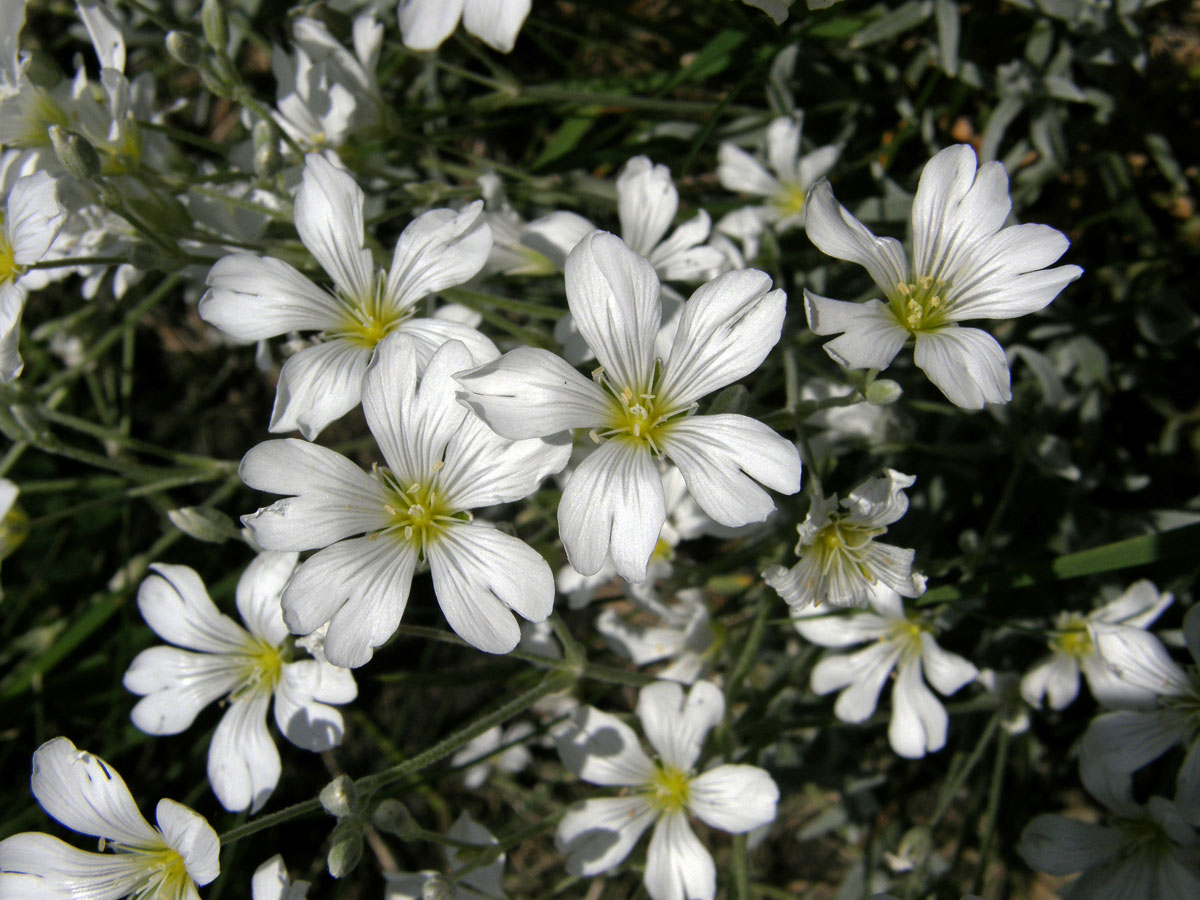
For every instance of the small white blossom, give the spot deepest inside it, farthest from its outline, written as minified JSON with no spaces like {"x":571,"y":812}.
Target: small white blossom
{"x":87,"y":795}
{"x":247,"y":667}
{"x":685,"y":636}
{"x":640,"y":407}
{"x":965,"y":265}
{"x":841,"y":561}
{"x":1057,"y":676}
{"x":900,"y":640}
{"x":598,"y":834}
{"x":478,"y":883}
{"x":272,"y":882}
{"x":252,"y":298}
{"x":483,"y":754}
{"x":441,"y":463}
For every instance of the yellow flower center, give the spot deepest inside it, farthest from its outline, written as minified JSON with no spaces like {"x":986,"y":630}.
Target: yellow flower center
{"x":920,"y":304}
{"x":907,"y":633}
{"x":792,"y":201}
{"x":368,"y":320}
{"x":638,"y":416}
{"x":419,"y":514}
{"x":1072,"y":637}
{"x":167,"y":876}
{"x":263,"y":667}
{"x":670,"y":789}
{"x":840,"y":544}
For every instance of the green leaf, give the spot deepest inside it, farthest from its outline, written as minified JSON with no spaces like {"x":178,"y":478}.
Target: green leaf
{"x":567,"y":138}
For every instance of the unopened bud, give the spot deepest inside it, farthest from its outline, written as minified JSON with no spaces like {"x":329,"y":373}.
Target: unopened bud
{"x":267,"y":160}
{"x":393,"y":817}
{"x":340,"y":797}
{"x":216,"y":32}
{"x":184,"y":48}
{"x":76,"y":155}
{"x":437,"y":887}
{"x":883,"y":392}
{"x":346,"y":849}
{"x":203,"y":523}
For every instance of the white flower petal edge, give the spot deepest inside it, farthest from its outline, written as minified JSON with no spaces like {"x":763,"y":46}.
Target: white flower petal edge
{"x":599,"y":833}
{"x":678,"y":867}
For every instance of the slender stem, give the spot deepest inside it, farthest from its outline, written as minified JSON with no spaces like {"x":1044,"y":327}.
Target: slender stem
{"x":993,"y":807}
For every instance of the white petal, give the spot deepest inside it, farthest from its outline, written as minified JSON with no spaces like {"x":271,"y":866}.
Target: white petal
{"x":484,"y":469}
{"x":919,"y":720}
{"x":259,"y":591}
{"x":1110,"y":689}
{"x":87,"y":795}
{"x":438,"y":250}
{"x":966,"y":364}
{"x":329,"y":219}
{"x":360,"y":587}
{"x":1057,"y":676}
{"x":1003,"y":277}
{"x":639,"y":644}
{"x":479,"y":574}
{"x":871,"y":336}
{"x":34,"y":217}
{"x":1138,"y":607}
{"x":721,"y":457}
{"x":612,"y":507}
{"x":336,"y":498}
{"x":301,"y":716}
{"x":256,"y":297}
{"x":834,"y":628}
{"x":860,"y":676}
{"x":725,"y":332}
{"x":317,"y":385}
{"x":676,"y":727}
{"x":555,"y":235}
{"x":484,"y":879}
{"x":946,"y":672}
{"x":836,"y":232}
{"x":1124,"y":741}
{"x":271,"y":882}
{"x":188,"y":833}
{"x":678,"y":867}
{"x":430,"y":334}
{"x":783,"y":145}
{"x":646,"y":203}
{"x":174,"y":602}
{"x":496,"y":22}
{"x":598,"y":834}
{"x":680,"y":259}
{"x":176,"y":684}
{"x":955,"y":209}
{"x":12,"y":301}
{"x":530,"y":393}
{"x":35,"y":866}
{"x":614,"y":296}
{"x":424,"y":25}
{"x":733,"y":798}
{"x":1141,"y":659}
{"x":243,"y":762}
{"x":815,"y":165}
{"x":1057,"y":845}
{"x":601,"y":749}
{"x":738,"y":171}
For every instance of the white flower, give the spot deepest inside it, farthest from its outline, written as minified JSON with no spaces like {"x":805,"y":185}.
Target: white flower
{"x":785,"y":187}
{"x":1146,"y":852}
{"x":840,"y":560}
{"x":901,"y":641}
{"x":477,"y":883}
{"x":442,"y":462}
{"x":87,"y":795}
{"x":539,"y":247}
{"x":965,"y":265}
{"x":271,"y":882}
{"x":639,"y":407}
{"x":601,"y":749}
{"x":245,"y":668}
{"x":1123,"y":741}
{"x":31,"y":221}
{"x":1058,"y":674}
{"x":425,"y":24}
{"x":252,"y":298}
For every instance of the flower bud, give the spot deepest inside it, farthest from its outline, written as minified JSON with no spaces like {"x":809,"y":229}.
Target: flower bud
{"x":267,"y":160}
{"x":393,"y":817}
{"x":204,"y":524}
{"x":184,"y":48}
{"x":216,"y":31}
{"x":340,"y":797}
{"x":346,"y":849}
{"x":74,"y":152}
{"x":883,"y":392}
